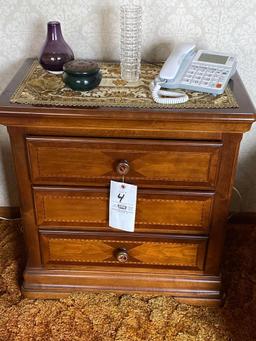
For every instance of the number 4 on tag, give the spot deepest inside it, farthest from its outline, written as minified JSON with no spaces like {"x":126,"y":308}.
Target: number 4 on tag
{"x":122,"y":206}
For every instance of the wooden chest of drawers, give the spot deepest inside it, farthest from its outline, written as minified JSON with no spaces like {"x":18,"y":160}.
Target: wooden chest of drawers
{"x":183,"y":162}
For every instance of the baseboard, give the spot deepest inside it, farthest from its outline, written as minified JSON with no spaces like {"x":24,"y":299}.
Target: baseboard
{"x":9,"y":212}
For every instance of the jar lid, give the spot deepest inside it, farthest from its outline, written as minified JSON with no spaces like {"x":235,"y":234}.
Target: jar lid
{"x":81,"y":67}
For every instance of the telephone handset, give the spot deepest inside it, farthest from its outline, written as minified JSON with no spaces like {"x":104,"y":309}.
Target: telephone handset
{"x":186,"y":68}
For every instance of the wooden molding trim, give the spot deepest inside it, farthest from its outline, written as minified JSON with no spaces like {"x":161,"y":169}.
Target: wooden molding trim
{"x":9,"y":212}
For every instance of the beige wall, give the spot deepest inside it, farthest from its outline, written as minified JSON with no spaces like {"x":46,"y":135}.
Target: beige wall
{"x":91,"y":27}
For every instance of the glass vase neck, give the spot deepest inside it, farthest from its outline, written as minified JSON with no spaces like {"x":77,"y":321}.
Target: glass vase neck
{"x":54,"y":30}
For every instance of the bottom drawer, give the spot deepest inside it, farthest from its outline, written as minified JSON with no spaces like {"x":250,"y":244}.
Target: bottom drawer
{"x":86,"y":248}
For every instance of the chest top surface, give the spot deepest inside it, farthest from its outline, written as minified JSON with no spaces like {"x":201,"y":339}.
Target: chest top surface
{"x":13,"y":114}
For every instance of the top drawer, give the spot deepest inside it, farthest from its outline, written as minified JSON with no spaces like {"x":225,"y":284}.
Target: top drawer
{"x":95,"y":161}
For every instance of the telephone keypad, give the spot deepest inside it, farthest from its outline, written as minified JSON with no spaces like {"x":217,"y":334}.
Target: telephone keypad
{"x":207,"y":77}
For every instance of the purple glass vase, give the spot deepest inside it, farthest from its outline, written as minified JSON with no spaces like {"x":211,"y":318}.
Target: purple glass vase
{"x":55,"y":52}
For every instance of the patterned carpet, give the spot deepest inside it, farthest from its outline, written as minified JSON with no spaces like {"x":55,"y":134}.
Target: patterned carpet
{"x":107,"y":317}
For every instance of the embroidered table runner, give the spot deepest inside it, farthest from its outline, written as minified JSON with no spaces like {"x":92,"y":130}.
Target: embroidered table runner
{"x":42,"y":88}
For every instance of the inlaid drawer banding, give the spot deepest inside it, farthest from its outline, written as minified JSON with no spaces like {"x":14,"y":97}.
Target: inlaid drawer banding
{"x":96,"y":161}
{"x":155,"y":209}
{"x":83,"y":249}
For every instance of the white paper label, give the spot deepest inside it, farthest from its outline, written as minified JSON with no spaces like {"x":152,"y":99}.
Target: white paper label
{"x":122,"y":206}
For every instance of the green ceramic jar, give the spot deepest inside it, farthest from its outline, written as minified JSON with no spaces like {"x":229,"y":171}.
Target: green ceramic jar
{"x":81,"y":75}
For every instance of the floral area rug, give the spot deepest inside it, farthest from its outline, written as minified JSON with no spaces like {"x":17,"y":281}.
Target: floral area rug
{"x":42,"y":88}
{"x":110,"y":316}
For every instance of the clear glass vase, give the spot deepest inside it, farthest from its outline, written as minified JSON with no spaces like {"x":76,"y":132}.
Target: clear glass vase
{"x":55,"y":52}
{"x":131,"y":36}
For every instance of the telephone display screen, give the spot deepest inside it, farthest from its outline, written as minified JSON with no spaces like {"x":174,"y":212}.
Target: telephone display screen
{"x":213,"y":58}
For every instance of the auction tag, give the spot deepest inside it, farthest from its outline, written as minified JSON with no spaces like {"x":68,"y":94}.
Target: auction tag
{"x":122,"y":206}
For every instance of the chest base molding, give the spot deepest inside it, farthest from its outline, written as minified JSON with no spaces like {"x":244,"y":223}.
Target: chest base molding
{"x":190,"y":289}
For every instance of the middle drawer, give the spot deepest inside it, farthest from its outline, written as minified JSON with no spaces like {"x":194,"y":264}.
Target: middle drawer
{"x":157,"y":210}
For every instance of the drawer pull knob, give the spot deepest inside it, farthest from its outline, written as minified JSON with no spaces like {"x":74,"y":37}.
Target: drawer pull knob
{"x":122,"y":256}
{"x":123,"y":167}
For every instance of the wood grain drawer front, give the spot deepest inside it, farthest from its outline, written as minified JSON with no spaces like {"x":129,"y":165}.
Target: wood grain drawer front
{"x":81,"y":248}
{"x":151,"y":163}
{"x":156,"y":210}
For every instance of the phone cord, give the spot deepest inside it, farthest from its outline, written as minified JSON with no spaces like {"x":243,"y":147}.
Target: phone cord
{"x":176,"y":97}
